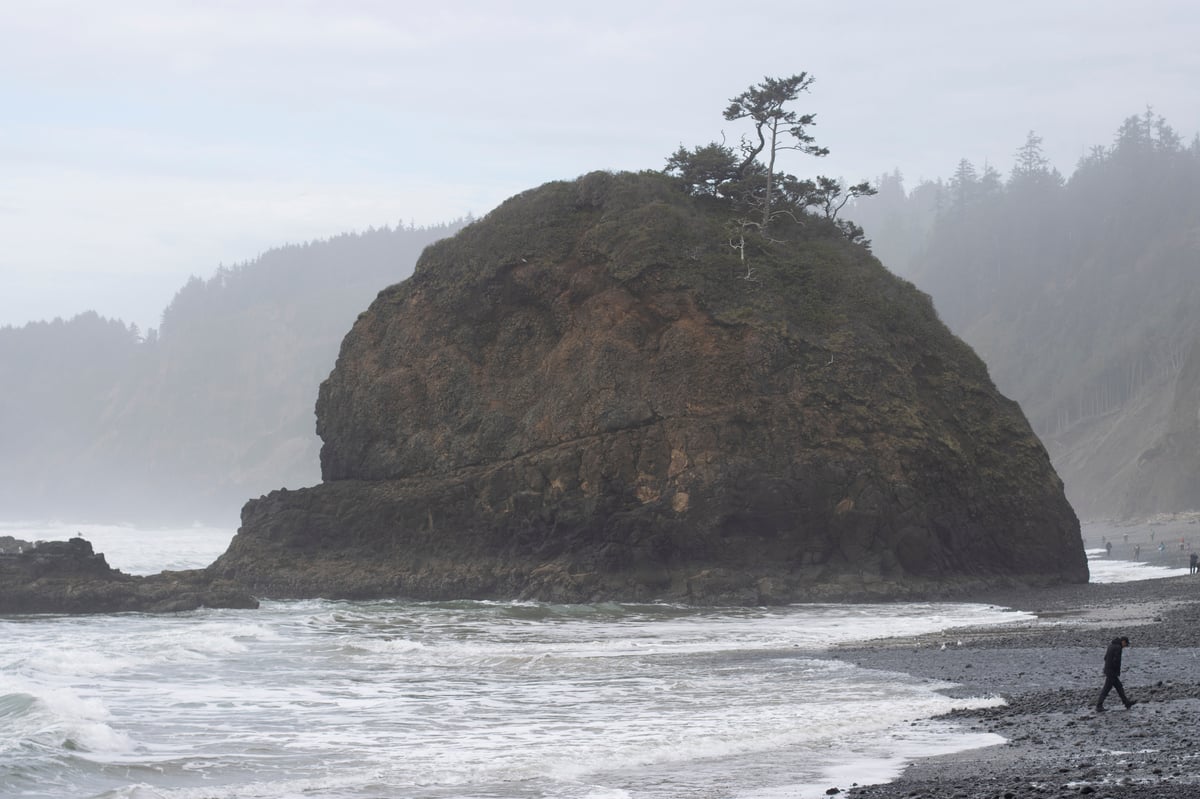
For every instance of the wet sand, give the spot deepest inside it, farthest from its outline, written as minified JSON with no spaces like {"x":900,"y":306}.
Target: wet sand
{"x":1050,"y":673}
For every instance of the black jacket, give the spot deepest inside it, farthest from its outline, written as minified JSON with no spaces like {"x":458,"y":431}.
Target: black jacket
{"x":1112,"y":658}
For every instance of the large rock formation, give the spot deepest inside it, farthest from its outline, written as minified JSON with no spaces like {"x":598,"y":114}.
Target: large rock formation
{"x":587,"y":395}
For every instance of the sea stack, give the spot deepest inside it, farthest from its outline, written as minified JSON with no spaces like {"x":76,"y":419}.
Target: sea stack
{"x":590,"y":395}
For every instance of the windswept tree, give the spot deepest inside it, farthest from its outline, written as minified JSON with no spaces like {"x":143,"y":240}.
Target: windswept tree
{"x":749,"y":177}
{"x":776,"y":127}
{"x":831,"y":196}
{"x":707,"y":170}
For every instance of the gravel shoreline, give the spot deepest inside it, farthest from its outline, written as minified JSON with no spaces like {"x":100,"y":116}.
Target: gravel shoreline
{"x":1050,"y":672}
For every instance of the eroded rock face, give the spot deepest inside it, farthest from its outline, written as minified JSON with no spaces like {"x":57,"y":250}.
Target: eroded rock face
{"x":579,"y":397}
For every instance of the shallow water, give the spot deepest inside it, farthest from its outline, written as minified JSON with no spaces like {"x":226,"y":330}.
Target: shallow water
{"x":1116,"y":570}
{"x":449,"y":699}
{"x":458,"y":699}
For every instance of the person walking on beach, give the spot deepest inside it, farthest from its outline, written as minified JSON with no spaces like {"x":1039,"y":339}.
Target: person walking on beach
{"x":1112,"y":674}
{"x":1193,"y":563}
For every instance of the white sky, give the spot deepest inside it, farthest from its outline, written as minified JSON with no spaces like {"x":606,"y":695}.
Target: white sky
{"x":142,"y":141}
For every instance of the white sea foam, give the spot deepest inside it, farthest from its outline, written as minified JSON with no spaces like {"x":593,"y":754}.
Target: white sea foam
{"x":874,"y":761}
{"x":388,"y":646}
{"x":55,"y":717}
{"x":574,"y":705}
{"x":440,"y":700}
{"x":1117,"y":570}
{"x":78,"y":661}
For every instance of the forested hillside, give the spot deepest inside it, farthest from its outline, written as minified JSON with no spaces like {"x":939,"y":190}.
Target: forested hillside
{"x":1082,"y":294}
{"x":187,"y":422}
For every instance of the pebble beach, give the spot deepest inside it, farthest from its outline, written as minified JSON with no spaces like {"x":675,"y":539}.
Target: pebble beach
{"x":1049,"y":672}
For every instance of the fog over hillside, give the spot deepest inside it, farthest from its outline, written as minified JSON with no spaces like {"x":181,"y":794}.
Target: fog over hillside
{"x":1080,"y":293}
{"x":145,"y":141}
{"x":187,"y":421}
{"x":144,"y":144}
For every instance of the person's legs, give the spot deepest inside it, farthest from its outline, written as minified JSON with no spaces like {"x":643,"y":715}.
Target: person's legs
{"x":1109,"y":682}
{"x":1120,"y":690}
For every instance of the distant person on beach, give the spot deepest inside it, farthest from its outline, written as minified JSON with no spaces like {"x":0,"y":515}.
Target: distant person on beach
{"x":1137,"y":551}
{"x":1193,"y":563}
{"x":1108,"y":548}
{"x":1112,"y":674}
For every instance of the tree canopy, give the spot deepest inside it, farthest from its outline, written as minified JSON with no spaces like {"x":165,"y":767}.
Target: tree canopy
{"x":750,"y":179}
{"x":1080,"y":293}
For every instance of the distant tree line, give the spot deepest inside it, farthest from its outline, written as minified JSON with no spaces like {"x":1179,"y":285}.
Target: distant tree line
{"x":1079,"y":292}
{"x":214,"y":407}
{"x":1146,"y":176}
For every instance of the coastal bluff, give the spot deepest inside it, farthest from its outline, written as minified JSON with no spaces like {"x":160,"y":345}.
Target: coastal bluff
{"x":590,"y":395}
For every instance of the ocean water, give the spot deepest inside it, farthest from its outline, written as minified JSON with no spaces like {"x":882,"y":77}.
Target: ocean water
{"x":358,"y":700}
{"x":1105,"y":569}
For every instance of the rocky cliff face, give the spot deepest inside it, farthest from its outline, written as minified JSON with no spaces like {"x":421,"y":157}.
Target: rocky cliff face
{"x":587,"y":395}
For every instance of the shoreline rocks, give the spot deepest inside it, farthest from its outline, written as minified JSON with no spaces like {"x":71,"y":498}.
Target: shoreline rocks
{"x":13,"y":546}
{"x":1049,"y":672}
{"x":69,"y":577}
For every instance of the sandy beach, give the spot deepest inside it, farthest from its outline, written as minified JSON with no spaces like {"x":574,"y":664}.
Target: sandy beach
{"x":1050,"y":673}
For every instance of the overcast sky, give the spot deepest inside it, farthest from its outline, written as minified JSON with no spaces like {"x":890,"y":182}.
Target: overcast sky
{"x":142,"y":142}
